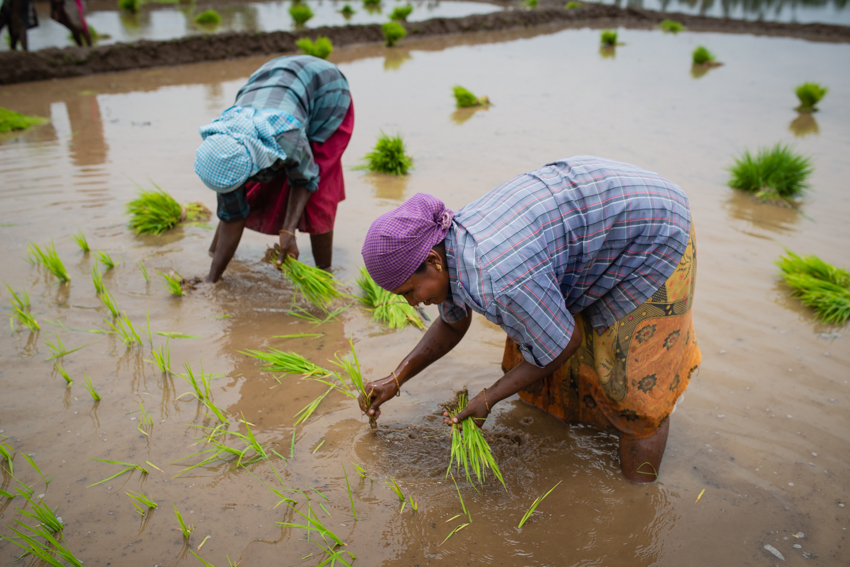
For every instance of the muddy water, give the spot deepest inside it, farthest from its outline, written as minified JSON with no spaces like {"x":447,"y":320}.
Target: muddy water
{"x":801,"y":11}
{"x":763,"y":428}
{"x":171,"y":22}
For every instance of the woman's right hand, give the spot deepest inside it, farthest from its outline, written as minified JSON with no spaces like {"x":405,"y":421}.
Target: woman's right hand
{"x":379,"y":391}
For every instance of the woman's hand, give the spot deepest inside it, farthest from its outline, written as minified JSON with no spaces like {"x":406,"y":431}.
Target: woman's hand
{"x":379,"y":392}
{"x":288,"y":247}
{"x":476,"y":409}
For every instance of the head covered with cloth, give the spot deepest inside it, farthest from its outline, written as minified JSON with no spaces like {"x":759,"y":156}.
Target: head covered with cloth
{"x":399,"y":244}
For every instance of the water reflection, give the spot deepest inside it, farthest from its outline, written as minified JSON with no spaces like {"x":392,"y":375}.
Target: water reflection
{"x":608,"y":51}
{"x":87,"y":145}
{"x":804,"y":125}
{"x":699,"y":70}
{"x":462,"y":115}
{"x":394,"y":58}
{"x":384,"y":186}
{"x":804,"y":11}
{"x":765,"y":216}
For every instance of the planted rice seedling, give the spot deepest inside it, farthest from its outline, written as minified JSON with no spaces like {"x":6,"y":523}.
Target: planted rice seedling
{"x":216,"y":410}
{"x":400,"y":13}
{"x":308,"y":410}
{"x":186,"y":530}
{"x":189,"y":377}
{"x":288,"y":362}
{"x":348,"y":487}
{"x":128,"y":467}
{"x":131,"y":6}
{"x":21,"y":313}
{"x":371,"y":2}
{"x":154,"y":212}
{"x":41,"y":513}
{"x":671,"y":26}
{"x":818,"y":285}
{"x":51,"y":551}
{"x":773,"y":174}
{"x":162,"y":358}
{"x":58,"y":348}
{"x":809,"y":95}
{"x":321,"y":48}
{"x":608,"y":37}
{"x":110,"y":304}
{"x":393,"y":33}
{"x":314,"y":523}
{"x":7,"y":453}
{"x":145,"y":425}
{"x":144,"y":271}
{"x":347,"y":11}
{"x":11,"y":120}
{"x":469,"y":446}
{"x":80,"y":240}
{"x":97,"y":279}
{"x":173,"y":283}
{"x":141,"y":502}
{"x":30,"y":460}
{"x":64,"y":374}
{"x":300,"y":13}
{"x":465,"y":98}
{"x":316,"y":285}
{"x":534,"y":505}
{"x":104,"y":258}
{"x":387,"y":307}
{"x":208,"y":18}
{"x":388,"y":156}
{"x":49,"y":258}
{"x":702,"y":56}
{"x":453,"y":532}
{"x":171,"y":335}
{"x":88,"y":386}
{"x":125,"y":330}
{"x":302,"y":313}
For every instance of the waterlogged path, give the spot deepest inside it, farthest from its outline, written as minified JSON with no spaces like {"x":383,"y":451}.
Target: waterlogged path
{"x":763,"y":428}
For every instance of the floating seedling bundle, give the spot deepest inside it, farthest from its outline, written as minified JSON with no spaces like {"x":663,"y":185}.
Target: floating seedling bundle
{"x":773,"y":174}
{"x":388,"y":156}
{"x":809,"y":95}
{"x":387,"y":307}
{"x":155,"y":211}
{"x":316,"y":285}
{"x":321,"y":48}
{"x":819,"y":285}
{"x":469,"y":448}
{"x":465,"y":99}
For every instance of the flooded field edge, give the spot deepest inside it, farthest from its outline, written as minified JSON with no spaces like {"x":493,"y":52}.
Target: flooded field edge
{"x":17,"y":67}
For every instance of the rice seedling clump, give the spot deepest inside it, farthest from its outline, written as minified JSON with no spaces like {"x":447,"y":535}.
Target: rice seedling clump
{"x":208,"y":18}
{"x":173,"y":283}
{"x":80,"y":240}
{"x":21,"y":311}
{"x":469,"y":447}
{"x":608,"y":37}
{"x":155,"y":211}
{"x":773,"y":174}
{"x":465,"y":99}
{"x":702,"y":56}
{"x":49,"y":258}
{"x":809,"y":95}
{"x":400,"y":13}
{"x":321,"y":48}
{"x":393,"y":33}
{"x":387,"y":307}
{"x":300,"y":13}
{"x":316,"y":285}
{"x":347,"y":11}
{"x":572,"y":5}
{"x":388,"y":156}
{"x":671,"y":26}
{"x":131,"y":6}
{"x":530,"y":4}
{"x":11,"y":120}
{"x":819,"y":285}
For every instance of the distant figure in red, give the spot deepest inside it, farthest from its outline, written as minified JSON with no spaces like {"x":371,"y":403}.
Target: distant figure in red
{"x":72,"y":15}
{"x":20,"y":16}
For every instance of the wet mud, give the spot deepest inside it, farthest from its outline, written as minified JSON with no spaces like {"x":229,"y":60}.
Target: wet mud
{"x":54,"y":63}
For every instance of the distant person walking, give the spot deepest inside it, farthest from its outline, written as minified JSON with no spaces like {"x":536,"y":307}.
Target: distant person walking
{"x":274,"y":158}
{"x":19,"y":16}
{"x":72,"y":15}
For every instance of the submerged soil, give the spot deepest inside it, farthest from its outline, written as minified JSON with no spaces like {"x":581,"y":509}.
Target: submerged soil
{"x":16,"y":67}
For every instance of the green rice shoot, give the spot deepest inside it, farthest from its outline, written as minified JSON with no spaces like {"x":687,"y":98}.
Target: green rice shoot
{"x":162,"y":358}
{"x":387,"y":307}
{"x":348,"y":487}
{"x":6,"y":452}
{"x":30,"y":460}
{"x":49,"y":258}
{"x":125,"y":331}
{"x":321,"y":48}
{"x":97,"y":279}
{"x":572,"y":5}
{"x":608,"y":37}
{"x":144,"y":271}
{"x":388,"y":156}
{"x":300,"y":13}
{"x":173,"y":283}
{"x":773,"y":174}
{"x":534,"y":505}
{"x":145,"y":425}
{"x":50,"y":551}
{"x":58,"y":348}
{"x":288,"y":362}
{"x":80,"y":239}
{"x":347,"y":11}
{"x":393,"y":33}
{"x":208,"y":18}
{"x":469,"y":448}
{"x":316,"y":285}
{"x":41,"y":513}
{"x":21,"y":311}
{"x":671,"y":26}
{"x":466,"y":99}
{"x":104,"y":258}
{"x":453,"y":532}
{"x":400,"y":13}
{"x":395,"y":488}
{"x":128,"y":467}
{"x":819,"y":285}
{"x":202,"y":388}
{"x":155,"y":211}
{"x":110,"y":304}
{"x":186,"y":530}
{"x":11,"y":120}
{"x":90,"y":388}
{"x":141,"y":502}
{"x":351,"y":366}
{"x":809,"y":95}
{"x":65,"y":376}
{"x":304,"y":414}
{"x":702,"y":56}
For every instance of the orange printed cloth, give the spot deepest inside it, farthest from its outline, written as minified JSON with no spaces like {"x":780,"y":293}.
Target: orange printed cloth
{"x":626,"y":381}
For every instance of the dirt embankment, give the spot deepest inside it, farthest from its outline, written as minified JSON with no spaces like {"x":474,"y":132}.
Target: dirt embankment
{"x":18,"y":67}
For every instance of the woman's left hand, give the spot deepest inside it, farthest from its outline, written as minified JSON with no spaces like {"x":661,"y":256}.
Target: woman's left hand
{"x":476,"y":409}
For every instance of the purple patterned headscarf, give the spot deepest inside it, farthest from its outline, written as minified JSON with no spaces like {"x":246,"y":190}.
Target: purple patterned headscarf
{"x":399,"y":241}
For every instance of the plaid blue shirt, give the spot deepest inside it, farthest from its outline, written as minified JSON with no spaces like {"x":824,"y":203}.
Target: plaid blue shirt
{"x":313,"y":91}
{"x":583,"y":234}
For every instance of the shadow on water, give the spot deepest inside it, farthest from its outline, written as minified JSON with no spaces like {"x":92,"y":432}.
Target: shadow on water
{"x":763,"y":216}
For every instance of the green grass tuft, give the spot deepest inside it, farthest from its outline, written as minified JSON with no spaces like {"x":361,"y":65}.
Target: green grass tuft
{"x":671,"y":26}
{"x":608,"y":37}
{"x":347,"y":11}
{"x":301,"y":13}
{"x":702,"y":56}
{"x":11,"y":120}
{"x":772,"y":174}
{"x":321,"y":48}
{"x":809,"y":95}
{"x":81,"y":241}
{"x":819,"y":285}
{"x":388,"y":156}
{"x":208,"y":18}
{"x":465,"y":99}
{"x":393,"y":33}
{"x":387,"y":307}
{"x":400,"y":13}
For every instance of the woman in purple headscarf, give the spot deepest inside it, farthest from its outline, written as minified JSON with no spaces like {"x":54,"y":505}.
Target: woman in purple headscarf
{"x":589,"y":266}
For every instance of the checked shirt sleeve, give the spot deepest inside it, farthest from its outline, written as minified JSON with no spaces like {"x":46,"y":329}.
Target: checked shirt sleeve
{"x":301,"y":169}
{"x":533,"y":313}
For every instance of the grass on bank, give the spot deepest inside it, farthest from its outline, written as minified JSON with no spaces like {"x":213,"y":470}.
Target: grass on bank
{"x":155,"y":211}
{"x":465,"y":99}
{"x":810,"y":94}
{"x":321,"y":48}
{"x":400,"y":13}
{"x":11,"y":120}
{"x":773,"y":174}
{"x":819,"y":285}
{"x":388,"y":156}
{"x":208,"y":18}
{"x":300,"y":13}
{"x":393,"y":33}
{"x":469,"y":448}
{"x":671,"y":26}
{"x":386,"y":306}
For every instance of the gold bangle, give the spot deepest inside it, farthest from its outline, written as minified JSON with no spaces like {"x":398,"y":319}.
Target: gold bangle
{"x":286,"y":231}
{"x":485,"y":401}
{"x":397,"y":385}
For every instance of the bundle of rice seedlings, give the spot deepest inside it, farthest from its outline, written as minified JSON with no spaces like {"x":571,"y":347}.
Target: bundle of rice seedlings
{"x":80,"y":240}
{"x":104,"y":258}
{"x":173,"y":283}
{"x":208,"y":18}
{"x":393,"y":33}
{"x":288,"y":363}
{"x":608,"y":37}
{"x":347,"y":11}
{"x":534,"y":505}
{"x":97,"y":280}
{"x":300,"y":13}
{"x":530,"y":4}
{"x":809,"y":95}
{"x":154,"y":212}
{"x":400,"y":13}
{"x":318,"y":286}
{"x":469,"y":447}
{"x":465,"y":98}
{"x":387,"y":307}
{"x":49,"y":258}
{"x":702,"y":56}
{"x":321,"y":48}
{"x":388,"y":156}
{"x":671,"y":26}
{"x":773,"y":174}
{"x":21,"y":311}
{"x":819,"y":285}
{"x":11,"y":120}
{"x":131,"y":6}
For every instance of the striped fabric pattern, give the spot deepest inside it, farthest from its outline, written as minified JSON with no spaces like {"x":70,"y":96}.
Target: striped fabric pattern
{"x":580,"y":235}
